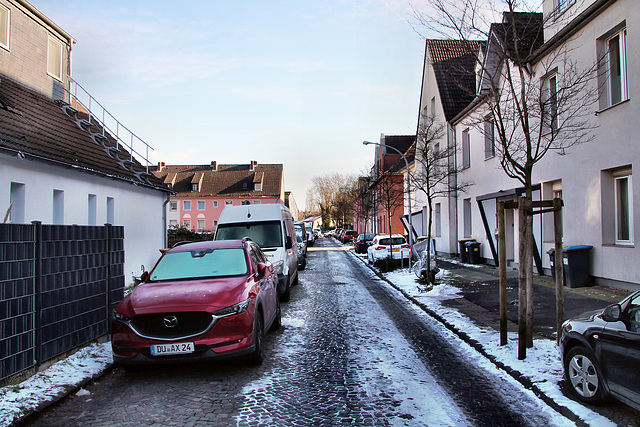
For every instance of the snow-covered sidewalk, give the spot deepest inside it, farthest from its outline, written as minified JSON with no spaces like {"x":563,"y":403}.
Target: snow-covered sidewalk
{"x":60,"y":379}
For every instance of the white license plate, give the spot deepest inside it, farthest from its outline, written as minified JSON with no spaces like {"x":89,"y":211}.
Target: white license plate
{"x":171,"y":349}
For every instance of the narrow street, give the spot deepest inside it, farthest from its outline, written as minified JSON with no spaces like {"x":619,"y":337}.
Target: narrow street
{"x":351,"y":352}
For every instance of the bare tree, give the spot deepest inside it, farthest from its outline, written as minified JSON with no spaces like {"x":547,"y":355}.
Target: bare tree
{"x":530,"y":101}
{"x":365,"y":201}
{"x":332,"y":200}
{"x":389,"y":190}
{"x":435,"y":173}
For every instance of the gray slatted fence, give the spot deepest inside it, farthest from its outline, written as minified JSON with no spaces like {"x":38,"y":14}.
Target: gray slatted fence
{"x":58,"y":286}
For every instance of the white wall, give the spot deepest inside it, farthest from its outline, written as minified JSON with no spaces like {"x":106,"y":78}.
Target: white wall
{"x":136,"y":208}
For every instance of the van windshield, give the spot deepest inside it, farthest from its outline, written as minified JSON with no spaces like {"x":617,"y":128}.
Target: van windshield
{"x":267,"y":234}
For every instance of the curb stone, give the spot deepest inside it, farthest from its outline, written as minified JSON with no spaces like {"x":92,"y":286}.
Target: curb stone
{"x":33,"y":414}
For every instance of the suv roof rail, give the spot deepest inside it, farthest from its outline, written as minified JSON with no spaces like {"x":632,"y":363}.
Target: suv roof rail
{"x":184,"y":242}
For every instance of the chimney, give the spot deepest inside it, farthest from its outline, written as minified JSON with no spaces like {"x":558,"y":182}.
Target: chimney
{"x":253,"y":165}
{"x":161,"y":166}
{"x":214,"y":165}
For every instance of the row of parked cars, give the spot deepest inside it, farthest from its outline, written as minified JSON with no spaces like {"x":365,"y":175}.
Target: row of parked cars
{"x":214,"y":299}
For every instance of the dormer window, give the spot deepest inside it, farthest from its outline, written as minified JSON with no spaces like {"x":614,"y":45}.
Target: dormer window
{"x":257,"y":186}
{"x":54,"y":59}
{"x":194,"y":187}
{"x":5,"y":21}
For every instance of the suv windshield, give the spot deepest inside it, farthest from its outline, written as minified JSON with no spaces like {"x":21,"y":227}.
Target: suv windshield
{"x":267,"y":234}
{"x":200,"y":263}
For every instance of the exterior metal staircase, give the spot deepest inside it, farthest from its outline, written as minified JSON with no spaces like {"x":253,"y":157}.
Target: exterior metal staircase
{"x":80,"y":100}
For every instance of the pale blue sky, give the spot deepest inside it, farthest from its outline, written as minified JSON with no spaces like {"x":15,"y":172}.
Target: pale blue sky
{"x":297,"y":82}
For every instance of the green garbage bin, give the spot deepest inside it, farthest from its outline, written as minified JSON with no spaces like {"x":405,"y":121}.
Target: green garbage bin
{"x":575,"y":260}
{"x":464,"y":254}
{"x":473,"y":249}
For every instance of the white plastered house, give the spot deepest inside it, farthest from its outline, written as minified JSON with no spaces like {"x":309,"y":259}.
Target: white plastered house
{"x":594,"y":179}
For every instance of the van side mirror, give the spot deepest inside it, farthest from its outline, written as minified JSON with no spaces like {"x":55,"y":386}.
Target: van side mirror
{"x":288,"y":242}
{"x":144,"y":276}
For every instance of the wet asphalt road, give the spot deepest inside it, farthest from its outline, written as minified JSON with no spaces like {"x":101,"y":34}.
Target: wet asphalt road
{"x":351,"y":352}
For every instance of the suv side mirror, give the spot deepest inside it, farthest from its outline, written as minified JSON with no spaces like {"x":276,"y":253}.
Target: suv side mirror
{"x":144,"y":276}
{"x":612,"y":313}
{"x":262,"y":268}
{"x":288,"y":243}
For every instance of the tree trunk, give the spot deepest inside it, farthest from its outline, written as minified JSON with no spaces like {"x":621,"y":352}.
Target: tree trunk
{"x":559,"y":267}
{"x":522,"y":281}
{"x":502,"y":264}
{"x":529,"y":272}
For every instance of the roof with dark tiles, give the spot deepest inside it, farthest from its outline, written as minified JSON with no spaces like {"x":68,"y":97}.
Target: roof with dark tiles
{"x":529,"y":34}
{"x":454,"y":65}
{"x":36,"y":127}
{"x":237,"y":180}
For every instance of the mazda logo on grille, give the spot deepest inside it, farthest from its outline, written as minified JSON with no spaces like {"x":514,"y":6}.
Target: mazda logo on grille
{"x":170,"y":321}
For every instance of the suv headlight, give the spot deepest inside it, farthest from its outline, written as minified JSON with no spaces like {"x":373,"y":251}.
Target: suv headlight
{"x":120,"y":317}
{"x":241,"y":307}
{"x":278,"y":266}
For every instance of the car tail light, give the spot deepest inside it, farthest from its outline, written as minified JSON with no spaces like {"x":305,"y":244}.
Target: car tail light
{"x":406,"y":247}
{"x":379,"y":248}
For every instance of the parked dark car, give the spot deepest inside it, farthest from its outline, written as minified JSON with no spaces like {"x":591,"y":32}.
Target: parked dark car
{"x":601,"y":353}
{"x":362,"y":242}
{"x":348,"y":236}
{"x":203,"y":300}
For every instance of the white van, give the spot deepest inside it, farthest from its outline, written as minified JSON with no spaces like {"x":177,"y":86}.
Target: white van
{"x":271,"y":227}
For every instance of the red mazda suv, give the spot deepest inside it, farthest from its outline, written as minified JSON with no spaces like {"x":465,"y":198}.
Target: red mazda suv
{"x":202,"y":300}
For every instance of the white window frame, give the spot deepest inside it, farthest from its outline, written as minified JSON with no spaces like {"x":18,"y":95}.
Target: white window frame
{"x":228,"y":202}
{"x":257,"y":202}
{"x":92,"y":207}
{"x":468,"y":224}
{"x":624,"y":82}
{"x":17,"y":202}
{"x":550,"y":99}
{"x":58,"y":207}
{"x":562,"y":5}
{"x":51,"y":45}
{"x":173,"y":206}
{"x":617,"y":180}
{"x":466,"y":149}
{"x":200,"y":203}
{"x":438,"y":219}
{"x":215,"y":203}
{"x":186,"y":223}
{"x":186,"y":205}
{"x":111,"y":210}
{"x":5,"y":21}
{"x":489,"y":138}
{"x":201,"y":224}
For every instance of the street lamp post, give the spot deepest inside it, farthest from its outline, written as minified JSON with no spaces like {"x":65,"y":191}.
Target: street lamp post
{"x":408,"y":192}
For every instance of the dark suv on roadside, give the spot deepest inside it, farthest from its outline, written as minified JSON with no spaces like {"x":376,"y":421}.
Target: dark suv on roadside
{"x":601,"y":353}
